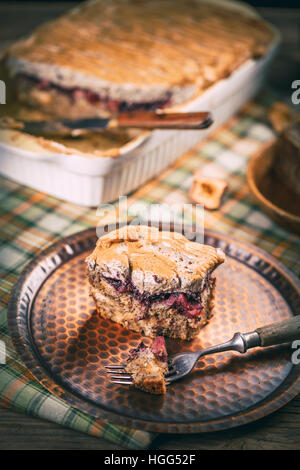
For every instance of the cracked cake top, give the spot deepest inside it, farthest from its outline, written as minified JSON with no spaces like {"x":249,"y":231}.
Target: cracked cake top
{"x":154,"y":261}
{"x":131,"y":49}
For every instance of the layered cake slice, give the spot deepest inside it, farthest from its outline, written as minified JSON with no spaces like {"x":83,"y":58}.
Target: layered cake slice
{"x":148,"y":366}
{"x":103,"y":58}
{"x":154,"y":282}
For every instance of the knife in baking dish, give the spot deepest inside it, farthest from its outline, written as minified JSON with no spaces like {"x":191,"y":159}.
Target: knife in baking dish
{"x":139,"y":120}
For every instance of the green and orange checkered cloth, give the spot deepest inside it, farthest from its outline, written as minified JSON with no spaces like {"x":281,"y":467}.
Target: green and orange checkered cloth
{"x":31,"y":221}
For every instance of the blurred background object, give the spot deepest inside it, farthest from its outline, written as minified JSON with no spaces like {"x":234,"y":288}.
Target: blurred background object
{"x":283,"y":14}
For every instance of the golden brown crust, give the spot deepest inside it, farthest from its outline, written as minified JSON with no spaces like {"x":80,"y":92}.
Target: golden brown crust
{"x":137,"y":45}
{"x":107,"y":145}
{"x":157,"y":387}
{"x":156,"y":261}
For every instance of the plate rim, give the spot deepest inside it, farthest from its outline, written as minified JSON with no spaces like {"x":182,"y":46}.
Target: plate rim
{"x":260,"y":409}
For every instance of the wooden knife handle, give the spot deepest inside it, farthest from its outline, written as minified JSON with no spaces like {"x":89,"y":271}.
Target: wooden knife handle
{"x":280,"y":332}
{"x":153,"y":120}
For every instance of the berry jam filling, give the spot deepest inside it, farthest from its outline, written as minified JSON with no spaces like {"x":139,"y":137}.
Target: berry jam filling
{"x":187,"y":304}
{"x":105,"y":102}
{"x":158,"y":347}
{"x":134,"y":352}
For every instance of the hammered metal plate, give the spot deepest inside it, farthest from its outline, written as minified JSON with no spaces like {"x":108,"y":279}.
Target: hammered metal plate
{"x":65,"y":344}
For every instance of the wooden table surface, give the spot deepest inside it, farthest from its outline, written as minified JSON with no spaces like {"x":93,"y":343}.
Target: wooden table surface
{"x":281,"y":430}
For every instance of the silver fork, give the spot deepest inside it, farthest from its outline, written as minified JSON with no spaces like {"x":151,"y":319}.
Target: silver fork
{"x":181,"y":364}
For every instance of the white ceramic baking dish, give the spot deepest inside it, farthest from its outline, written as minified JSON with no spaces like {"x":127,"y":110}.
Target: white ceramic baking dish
{"x":90,"y":181}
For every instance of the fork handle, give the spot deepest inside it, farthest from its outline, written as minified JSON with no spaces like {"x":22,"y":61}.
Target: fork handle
{"x":279,"y":332}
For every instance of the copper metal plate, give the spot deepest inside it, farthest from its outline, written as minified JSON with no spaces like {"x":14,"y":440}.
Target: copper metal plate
{"x":65,"y":344}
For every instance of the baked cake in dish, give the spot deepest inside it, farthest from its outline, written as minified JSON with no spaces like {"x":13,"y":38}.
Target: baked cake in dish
{"x":104,"y":143}
{"x":106,"y":57}
{"x":154,"y":282}
{"x":148,"y":366}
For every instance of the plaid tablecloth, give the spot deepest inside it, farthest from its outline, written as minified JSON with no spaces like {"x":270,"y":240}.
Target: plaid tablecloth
{"x":31,"y":221}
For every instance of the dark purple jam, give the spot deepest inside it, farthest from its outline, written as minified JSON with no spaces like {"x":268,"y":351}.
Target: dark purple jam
{"x":133,"y":352}
{"x":105,"y":102}
{"x":118,"y":285}
{"x":187,"y":304}
{"x":158,"y":347}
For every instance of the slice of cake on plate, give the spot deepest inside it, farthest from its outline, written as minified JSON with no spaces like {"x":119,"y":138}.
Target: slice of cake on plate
{"x":153,"y":282}
{"x":148,"y":366}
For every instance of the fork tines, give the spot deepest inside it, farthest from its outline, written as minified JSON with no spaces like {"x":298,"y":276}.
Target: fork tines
{"x":123,"y":378}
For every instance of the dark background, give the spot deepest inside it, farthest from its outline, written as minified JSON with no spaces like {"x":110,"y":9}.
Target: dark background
{"x":257,"y":3}
{"x":18,"y":18}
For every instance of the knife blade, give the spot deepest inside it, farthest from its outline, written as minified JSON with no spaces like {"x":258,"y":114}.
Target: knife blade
{"x":139,"y":120}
